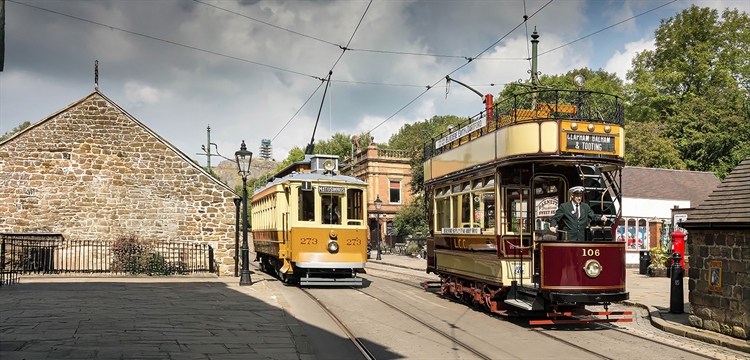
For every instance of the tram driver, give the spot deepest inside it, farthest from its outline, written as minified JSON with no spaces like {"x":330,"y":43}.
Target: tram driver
{"x":576,"y":214}
{"x":331,"y":212}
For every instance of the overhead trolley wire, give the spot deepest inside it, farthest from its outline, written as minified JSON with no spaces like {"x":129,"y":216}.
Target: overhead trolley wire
{"x":166,"y":41}
{"x":266,"y":23}
{"x":608,"y":27}
{"x":327,"y":80}
{"x":525,"y":18}
{"x":298,"y":110}
{"x":347,"y":47}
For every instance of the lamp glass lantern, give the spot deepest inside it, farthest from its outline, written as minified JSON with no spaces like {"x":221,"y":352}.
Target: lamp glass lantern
{"x":244,"y":158}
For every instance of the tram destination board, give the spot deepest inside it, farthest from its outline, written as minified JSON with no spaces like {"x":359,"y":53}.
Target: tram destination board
{"x":590,"y":143}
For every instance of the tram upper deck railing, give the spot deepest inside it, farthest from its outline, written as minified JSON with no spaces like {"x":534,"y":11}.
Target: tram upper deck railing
{"x":539,"y":105}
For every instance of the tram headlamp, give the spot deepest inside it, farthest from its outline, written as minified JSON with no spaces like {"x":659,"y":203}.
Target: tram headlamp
{"x":592,"y":268}
{"x":333,"y":247}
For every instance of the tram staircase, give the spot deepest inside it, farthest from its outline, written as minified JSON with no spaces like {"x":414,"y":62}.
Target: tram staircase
{"x":596,"y":184}
{"x":603,"y":193}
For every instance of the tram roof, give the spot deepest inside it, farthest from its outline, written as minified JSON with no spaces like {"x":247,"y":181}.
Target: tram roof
{"x":317,"y":177}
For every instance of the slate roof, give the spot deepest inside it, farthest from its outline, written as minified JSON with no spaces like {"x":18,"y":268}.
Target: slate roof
{"x":728,"y":206}
{"x":666,"y":184}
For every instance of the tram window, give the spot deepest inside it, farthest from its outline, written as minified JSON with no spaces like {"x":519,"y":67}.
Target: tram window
{"x":454,"y":211}
{"x":442,"y":213}
{"x":488,"y":200}
{"x":306,"y":206}
{"x":466,"y":210}
{"x":546,"y":199}
{"x":354,"y":208}
{"x":331,"y":211}
{"x":517,"y":210}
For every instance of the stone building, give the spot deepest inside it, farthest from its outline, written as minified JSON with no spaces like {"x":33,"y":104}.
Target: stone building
{"x":718,"y":250}
{"x":93,"y":172}
{"x":388,"y":174}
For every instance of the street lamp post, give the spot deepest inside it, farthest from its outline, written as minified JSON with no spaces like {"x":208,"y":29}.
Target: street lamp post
{"x":244,"y":158}
{"x":378,"y":204}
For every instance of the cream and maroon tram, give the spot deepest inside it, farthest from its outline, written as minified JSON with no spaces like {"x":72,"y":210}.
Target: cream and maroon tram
{"x":494,"y":183}
{"x":309,"y":224}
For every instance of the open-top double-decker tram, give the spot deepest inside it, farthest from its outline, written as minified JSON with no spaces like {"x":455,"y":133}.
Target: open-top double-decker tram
{"x":493,"y":185}
{"x":309,"y":224}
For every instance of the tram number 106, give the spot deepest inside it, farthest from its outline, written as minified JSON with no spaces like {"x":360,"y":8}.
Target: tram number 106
{"x":590,"y":252}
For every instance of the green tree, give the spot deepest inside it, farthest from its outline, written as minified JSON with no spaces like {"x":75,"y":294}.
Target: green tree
{"x":413,"y":138}
{"x":295,"y":154}
{"x":15,"y":130}
{"x":411,"y":218}
{"x":646,"y":146}
{"x":596,"y":80}
{"x":694,"y":84}
{"x":339,"y":144}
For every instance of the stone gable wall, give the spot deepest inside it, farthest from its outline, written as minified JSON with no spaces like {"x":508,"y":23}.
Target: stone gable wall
{"x":91,"y":173}
{"x":728,"y":311}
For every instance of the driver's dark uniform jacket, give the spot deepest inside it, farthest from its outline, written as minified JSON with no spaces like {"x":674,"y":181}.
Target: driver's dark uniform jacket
{"x":575,"y":227}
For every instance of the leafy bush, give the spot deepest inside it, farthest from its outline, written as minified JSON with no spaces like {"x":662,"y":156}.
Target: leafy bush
{"x":659,"y":258}
{"x":413,"y":248}
{"x":136,"y":256}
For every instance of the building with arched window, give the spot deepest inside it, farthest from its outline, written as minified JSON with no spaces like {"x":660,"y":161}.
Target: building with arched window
{"x":649,"y":196}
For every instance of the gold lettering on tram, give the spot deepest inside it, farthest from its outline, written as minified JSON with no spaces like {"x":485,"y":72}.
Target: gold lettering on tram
{"x":590,"y":252}
{"x":459,"y":243}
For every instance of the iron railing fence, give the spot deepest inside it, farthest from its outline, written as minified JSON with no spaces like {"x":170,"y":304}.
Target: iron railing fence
{"x":26,"y":256}
{"x":584,"y":106}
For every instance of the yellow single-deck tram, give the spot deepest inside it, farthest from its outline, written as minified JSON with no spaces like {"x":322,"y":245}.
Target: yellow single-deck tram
{"x":301,"y":239}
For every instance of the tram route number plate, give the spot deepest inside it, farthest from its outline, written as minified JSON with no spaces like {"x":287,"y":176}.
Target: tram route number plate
{"x":589,"y":142}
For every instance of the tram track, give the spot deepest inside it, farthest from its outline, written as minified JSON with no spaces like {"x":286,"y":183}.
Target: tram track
{"x":546,"y":333}
{"x":540,"y":331}
{"x":363,"y":349}
{"x":425,"y":324}
{"x":355,"y":340}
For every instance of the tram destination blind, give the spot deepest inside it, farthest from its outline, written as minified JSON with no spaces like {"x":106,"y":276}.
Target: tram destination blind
{"x":586,"y":142}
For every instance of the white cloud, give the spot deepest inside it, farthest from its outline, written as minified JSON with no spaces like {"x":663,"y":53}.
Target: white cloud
{"x":621,"y":62}
{"x":139,"y":94}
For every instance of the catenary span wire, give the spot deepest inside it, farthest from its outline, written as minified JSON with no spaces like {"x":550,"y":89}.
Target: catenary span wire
{"x":608,"y":27}
{"x":327,"y":80}
{"x":268,"y":24}
{"x":525,"y":19}
{"x":352,"y":37}
{"x":166,"y":41}
{"x":298,"y":110}
{"x":339,"y":45}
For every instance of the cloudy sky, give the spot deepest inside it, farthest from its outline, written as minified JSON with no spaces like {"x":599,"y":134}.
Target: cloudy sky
{"x":250,"y":69}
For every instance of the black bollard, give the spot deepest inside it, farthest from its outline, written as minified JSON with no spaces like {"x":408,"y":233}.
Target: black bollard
{"x":645,"y":261}
{"x":676,"y":296}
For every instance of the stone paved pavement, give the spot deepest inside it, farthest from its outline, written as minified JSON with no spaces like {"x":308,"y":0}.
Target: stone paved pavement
{"x":146,"y":318}
{"x":213,"y":318}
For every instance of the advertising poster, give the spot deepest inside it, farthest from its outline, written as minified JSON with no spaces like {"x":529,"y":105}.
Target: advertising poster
{"x":714,"y":276}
